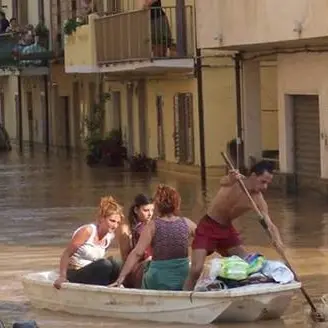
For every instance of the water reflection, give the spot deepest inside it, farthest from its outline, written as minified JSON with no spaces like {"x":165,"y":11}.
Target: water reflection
{"x":43,"y":199}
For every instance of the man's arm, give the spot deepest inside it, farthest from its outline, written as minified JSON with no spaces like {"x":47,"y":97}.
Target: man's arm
{"x":263,"y":207}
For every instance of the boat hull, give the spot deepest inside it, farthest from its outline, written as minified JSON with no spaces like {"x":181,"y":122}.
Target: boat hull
{"x":245,"y":304}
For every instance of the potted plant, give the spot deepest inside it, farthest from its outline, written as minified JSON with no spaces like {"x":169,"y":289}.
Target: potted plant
{"x":42,"y":32}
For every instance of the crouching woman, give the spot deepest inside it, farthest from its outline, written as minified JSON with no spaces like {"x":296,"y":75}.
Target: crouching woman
{"x":83,"y":261}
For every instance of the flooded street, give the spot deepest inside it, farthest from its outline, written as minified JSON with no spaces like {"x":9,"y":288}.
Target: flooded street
{"x":43,"y":199}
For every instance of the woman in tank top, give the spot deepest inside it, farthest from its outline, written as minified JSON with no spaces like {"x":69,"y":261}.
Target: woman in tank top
{"x":140,"y":214}
{"x":83,"y":260}
{"x":168,"y":235}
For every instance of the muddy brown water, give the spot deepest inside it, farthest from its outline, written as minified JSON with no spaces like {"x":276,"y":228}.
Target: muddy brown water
{"x":44,"y":198}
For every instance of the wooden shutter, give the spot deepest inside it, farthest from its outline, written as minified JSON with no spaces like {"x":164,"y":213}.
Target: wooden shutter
{"x":176,"y":127}
{"x":22,"y":17}
{"x":188,"y":100}
{"x":160,"y":127}
{"x":14,"y":6}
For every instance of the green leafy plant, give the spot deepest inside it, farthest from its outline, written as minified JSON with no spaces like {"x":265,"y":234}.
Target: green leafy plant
{"x":41,"y":30}
{"x":93,"y":122}
{"x":71,"y":25}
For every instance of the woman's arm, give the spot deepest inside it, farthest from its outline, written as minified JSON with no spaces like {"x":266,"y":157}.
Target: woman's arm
{"x":124,"y":240}
{"x":78,"y":240}
{"x":137,"y":253}
{"x":192,"y":227}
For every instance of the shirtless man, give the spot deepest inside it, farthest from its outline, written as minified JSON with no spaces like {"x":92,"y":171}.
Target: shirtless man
{"x":215,"y":231}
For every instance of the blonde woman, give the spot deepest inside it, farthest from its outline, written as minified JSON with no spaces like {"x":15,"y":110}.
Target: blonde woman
{"x":83,"y":261}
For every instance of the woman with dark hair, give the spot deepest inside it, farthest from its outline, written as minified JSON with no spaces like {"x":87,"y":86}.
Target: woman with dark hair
{"x":168,"y":235}
{"x":140,"y":213}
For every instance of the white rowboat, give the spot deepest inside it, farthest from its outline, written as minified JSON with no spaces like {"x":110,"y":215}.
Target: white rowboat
{"x":242,"y":304}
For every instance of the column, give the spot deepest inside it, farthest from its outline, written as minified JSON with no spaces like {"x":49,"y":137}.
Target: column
{"x":252,"y":111}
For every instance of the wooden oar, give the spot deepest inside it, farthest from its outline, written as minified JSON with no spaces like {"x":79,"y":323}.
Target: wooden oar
{"x":316,"y":316}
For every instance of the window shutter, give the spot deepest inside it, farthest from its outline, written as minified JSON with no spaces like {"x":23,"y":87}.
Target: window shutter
{"x":23,"y":12}
{"x":190,"y":127}
{"x":176,"y":127}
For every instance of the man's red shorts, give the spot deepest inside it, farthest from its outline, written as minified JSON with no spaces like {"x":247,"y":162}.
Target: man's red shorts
{"x":213,"y":236}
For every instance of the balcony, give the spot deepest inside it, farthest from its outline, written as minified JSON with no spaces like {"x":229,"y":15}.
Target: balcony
{"x":23,"y":53}
{"x":80,"y":52}
{"x":261,"y":24}
{"x":131,"y":42}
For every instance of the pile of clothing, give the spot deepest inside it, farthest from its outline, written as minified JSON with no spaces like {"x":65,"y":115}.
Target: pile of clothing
{"x":232,"y":272}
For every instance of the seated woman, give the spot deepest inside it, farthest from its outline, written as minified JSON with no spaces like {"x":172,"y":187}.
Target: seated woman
{"x":168,"y":235}
{"x":83,"y":260}
{"x":140,"y":213}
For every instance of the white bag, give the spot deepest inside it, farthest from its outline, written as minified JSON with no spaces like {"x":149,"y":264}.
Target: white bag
{"x":278,"y":271}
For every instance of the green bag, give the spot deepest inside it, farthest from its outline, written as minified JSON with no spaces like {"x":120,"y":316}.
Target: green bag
{"x":233,"y":268}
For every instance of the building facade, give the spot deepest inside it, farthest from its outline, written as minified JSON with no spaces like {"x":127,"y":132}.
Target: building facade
{"x":293,"y":36}
{"x":156,"y":99}
{"x":24,"y":71}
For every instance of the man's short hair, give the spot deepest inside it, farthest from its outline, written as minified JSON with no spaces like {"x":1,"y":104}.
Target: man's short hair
{"x":261,"y":167}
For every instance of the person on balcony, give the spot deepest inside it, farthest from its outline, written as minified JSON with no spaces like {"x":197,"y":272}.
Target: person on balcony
{"x":4,"y":23}
{"x":160,"y":28}
{"x":13,"y":26}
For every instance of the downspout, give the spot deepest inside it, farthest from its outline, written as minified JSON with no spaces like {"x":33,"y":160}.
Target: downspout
{"x":199,"y":76}
{"x":240,"y":145}
{"x":200,"y":94}
{"x":46,"y":100}
{"x":20,"y":112}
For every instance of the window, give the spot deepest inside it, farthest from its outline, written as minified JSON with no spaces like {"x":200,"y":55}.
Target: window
{"x":113,"y":6}
{"x":21,"y":11}
{"x":41,"y":10}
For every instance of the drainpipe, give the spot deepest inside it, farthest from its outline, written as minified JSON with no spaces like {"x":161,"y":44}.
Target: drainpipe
{"x":46,"y":100}
{"x":199,"y":76}
{"x":240,"y":145}
{"x":20,"y":112}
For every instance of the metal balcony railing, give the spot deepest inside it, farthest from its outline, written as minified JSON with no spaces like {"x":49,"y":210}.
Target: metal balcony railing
{"x":145,"y":34}
{"x":15,"y":52}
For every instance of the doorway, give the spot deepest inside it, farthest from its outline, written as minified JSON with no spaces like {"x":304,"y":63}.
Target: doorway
{"x":77,"y":115}
{"x":307,"y":159}
{"x":130,"y":119}
{"x":2,"y":109}
{"x":143,"y":129}
{"x":160,"y":127}
{"x":63,"y":129}
{"x":30,"y":118}
{"x":116,"y":113}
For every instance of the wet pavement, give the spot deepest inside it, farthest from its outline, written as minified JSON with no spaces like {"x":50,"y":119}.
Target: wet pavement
{"x":44,"y":198}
